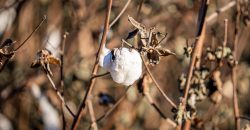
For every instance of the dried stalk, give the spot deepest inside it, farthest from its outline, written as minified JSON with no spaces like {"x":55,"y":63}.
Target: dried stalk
{"x":120,"y":14}
{"x":139,"y":9}
{"x":197,"y":49}
{"x":62,"y":76}
{"x":95,"y":69}
{"x":92,"y":114}
{"x":157,"y":85}
{"x":114,"y":106}
{"x":59,"y":95}
{"x":37,"y":27}
{"x":150,"y":100}
{"x":234,"y":73}
{"x":212,"y":16}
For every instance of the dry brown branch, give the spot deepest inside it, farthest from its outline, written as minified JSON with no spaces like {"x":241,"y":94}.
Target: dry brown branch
{"x":150,"y":100}
{"x":15,"y":50}
{"x":59,"y":95}
{"x":95,"y":69}
{"x":37,"y":27}
{"x":197,"y":49}
{"x":157,"y":85}
{"x":62,"y":76}
{"x":106,"y":114}
{"x":234,"y":73}
{"x":212,"y":16}
{"x":120,"y":14}
{"x":139,"y":9}
{"x":92,"y":114}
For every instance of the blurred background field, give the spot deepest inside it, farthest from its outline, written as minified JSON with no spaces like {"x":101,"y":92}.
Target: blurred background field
{"x":28,"y":102}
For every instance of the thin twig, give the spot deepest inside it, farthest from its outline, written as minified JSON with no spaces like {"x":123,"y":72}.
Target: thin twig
{"x":95,"y":69}
{"x":120,"y":14}
{"x":234,"y":74}
{"x":150,"y":100}
{"x":157,"y":85}
{"x":59,"y":95}
{"x":37,"y":27}
{"x":92,"y":114}
{"x":100,"y":75}
{"x":244,"y":118}
{"x":139,"y":10}
{"x":106,"y":114}
{"x":212,"y":16}
{"x":62,"y":76}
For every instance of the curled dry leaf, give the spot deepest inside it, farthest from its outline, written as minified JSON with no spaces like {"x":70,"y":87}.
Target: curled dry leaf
{"x":137,"y":25}
{"x":44,"y":58}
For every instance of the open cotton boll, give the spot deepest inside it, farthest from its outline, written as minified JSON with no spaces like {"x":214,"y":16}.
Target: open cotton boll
{"x":124,"y":64}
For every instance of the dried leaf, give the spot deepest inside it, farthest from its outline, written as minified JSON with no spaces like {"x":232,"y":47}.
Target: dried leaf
{"x":44,"y":58}
{"x":165,"y":52}
{"x":154,"y":42}
{"x":136,"y":24}
{"x":7,"y":42}
{"x":53,"y":60}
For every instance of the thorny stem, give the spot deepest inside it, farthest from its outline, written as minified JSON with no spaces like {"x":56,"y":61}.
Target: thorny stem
{"x":234,"y":73}
{"x":37,"y":27}
{"x":157,"y":85}
{"x":59,"y":95}
{"x":120,"y":14}
{"x":95,"y":69}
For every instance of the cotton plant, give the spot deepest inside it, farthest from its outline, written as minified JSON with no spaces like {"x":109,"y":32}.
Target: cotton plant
{"x":124,"y":64}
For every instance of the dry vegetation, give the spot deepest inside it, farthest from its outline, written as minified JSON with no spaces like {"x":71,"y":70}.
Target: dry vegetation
{"x":194,"y":54}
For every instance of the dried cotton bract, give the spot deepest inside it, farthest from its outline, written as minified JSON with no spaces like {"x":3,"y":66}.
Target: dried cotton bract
{"x":124,"y":64}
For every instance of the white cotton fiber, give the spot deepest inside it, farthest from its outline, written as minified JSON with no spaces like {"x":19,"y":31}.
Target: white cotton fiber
{"x":124,"y":64}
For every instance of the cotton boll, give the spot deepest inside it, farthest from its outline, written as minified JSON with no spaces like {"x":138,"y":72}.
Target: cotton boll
{"x":124,"y":64}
